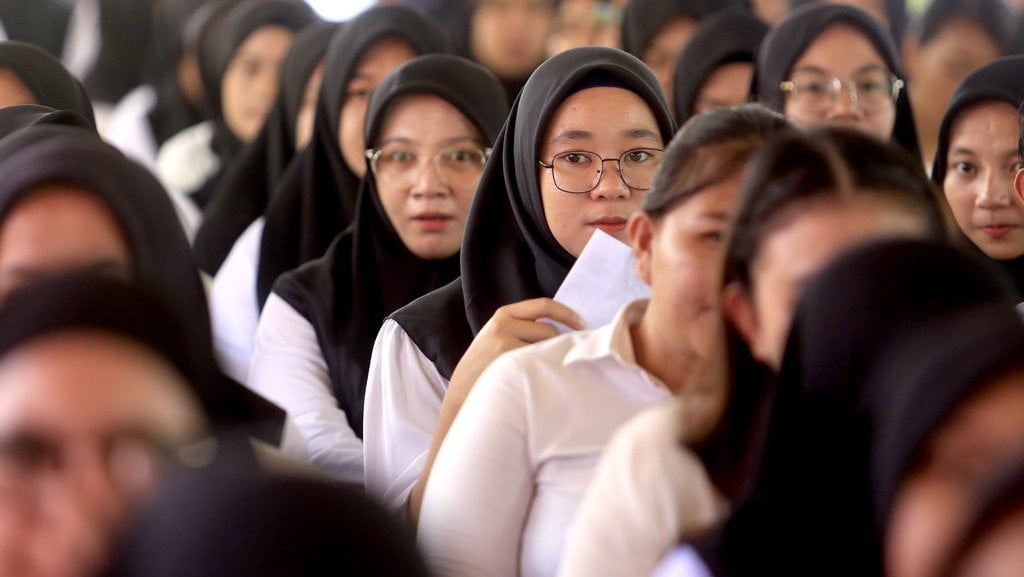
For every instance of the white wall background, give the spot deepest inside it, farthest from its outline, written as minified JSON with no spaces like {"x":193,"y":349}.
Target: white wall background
{"x":339,"y":9}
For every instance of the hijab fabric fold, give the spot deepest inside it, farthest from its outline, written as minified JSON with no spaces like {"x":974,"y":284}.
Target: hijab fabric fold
{"x":791,"y":37}
{"x":368,"y":273}
{"x":244,"y":192}
{"x":642,"y":20}
{"x":508,"y":252}
{"x":46,"y":78}
{"x":315,"y":199}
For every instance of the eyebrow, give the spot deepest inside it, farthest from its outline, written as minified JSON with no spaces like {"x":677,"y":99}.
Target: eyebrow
{"x":572,"y":135}
{"x":411,"y":142}
{"x":640,"y":133}
{"x":715,"y":216}
{"x":819,"y":70}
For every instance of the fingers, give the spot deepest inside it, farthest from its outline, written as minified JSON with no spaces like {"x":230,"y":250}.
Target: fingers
{"x":536,"y":309}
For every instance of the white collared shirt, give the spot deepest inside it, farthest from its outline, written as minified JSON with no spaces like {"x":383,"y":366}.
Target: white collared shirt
{"x":514,"y":466}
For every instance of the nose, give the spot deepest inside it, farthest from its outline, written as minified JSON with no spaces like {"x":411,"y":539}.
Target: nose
{"x":845,"y":105}
{"x":610,"y":184}
{"x":428,"y":181}
{"x":995,"y":191}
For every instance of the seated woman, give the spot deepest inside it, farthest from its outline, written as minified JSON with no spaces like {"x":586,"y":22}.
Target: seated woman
{"x":831,"y":64}
{"x":977,"y":163}
{"x":100,"y":389}
{"x":532,"y":216}
{"x":429,"y":140}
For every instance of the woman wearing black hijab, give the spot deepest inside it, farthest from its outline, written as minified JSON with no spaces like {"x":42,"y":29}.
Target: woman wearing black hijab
{"x":716,"y":67}
{"x":809,"y":58}
{"x":52,"y":177}
{"x":948,"y":415}
{"x":977,"y":162}
{"x":511,"y":258}
{"x":125,"y":27}
{"x":44,"y":78}
{"x":330,"y":309}
{"x":248,"y":181}
{"x":315,"y":198}
{"x":814,"y":465}
{"x":893,"y":13}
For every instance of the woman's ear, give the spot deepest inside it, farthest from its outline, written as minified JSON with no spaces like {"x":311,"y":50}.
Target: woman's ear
{"x":1018,"y":184}
{"x":739,"y":310}
{"x":641,"y":229}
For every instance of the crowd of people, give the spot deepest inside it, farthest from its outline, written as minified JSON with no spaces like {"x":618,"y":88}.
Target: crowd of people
{"x":512,"y":288}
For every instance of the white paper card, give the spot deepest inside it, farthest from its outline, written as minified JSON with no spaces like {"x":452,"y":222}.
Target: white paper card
{"x":601,"y":282}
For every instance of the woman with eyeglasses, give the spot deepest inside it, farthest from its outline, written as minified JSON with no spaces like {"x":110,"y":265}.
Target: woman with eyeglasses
{"x":830,"y":64}
{"x":540,"y":200}
{"x":430,"y":124}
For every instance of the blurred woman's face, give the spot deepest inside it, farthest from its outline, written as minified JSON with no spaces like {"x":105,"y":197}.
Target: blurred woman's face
{"x":12,"y":90}
{"x":981,"y":438}
{"x":510,"y":36}
{"x":85,"y":419}
{"x":251,"y":80}
{"x":728,"y":85}
{"x":663,"y":52}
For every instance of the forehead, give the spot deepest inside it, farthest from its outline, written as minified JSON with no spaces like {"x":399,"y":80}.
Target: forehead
{"x":989,"y":122}
{"x":841,"y":49}
{"x":425,"y":116}
{"x":601,"y":111}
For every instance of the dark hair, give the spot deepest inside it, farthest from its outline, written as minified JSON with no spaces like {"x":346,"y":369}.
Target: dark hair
{"x":826,"y":163}
{"x":992,"y":16}
{"x":708,"y":149}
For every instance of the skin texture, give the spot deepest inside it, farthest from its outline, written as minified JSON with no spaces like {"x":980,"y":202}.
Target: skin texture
{"x":984,"y":435}
{"x":307,"y":112}
{"x":428,"y":213}
{"x":13,"y":90}
{"x":728,"y":85}
{"x":1000,"y":554}
{"x":809,"y":236}
{"x":57,"y":228}
{"x":936,"y":69}
{"x":251,"y":80}
{"x":843,"y":52}
{"x":509,"y":36}
{"x":607,"y":121}
{"x":665,"y":48}
{"x":377,"y":62}
{"x":579,"y":23}
{"x":81,"y":393}
{"x":979,"y":184}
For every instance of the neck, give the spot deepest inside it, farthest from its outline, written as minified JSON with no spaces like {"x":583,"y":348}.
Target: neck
{"x":668,"y":355}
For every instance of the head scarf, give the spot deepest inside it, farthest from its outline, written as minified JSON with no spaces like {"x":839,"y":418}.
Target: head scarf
{"x":508,"y":252}
{"x":788,"y":40}
{"x":895,"y":11}
{"x":162,"y":258}
{"x":220,"y":40}
{"x":21,"y":116}
{"x":814,"y":462}
{"x":919,"y":384}
{"x":46,"y":78}
{"x":368,"y":273}
{"x":1001,"y":80}
{"x":126,"y":27}
{"x":43,"y":23}
{"x":315,"y":200}
{"x":642,"y":20}
{"x":720,"y":39}
{"x":243,"y":193}
{"x":230,"y":523}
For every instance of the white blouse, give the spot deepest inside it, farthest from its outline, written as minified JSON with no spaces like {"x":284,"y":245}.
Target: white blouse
{"x":522,"y":450}
{"x":234,"y":311}
{"x":403,"y":399}
{"x":288,"y":368}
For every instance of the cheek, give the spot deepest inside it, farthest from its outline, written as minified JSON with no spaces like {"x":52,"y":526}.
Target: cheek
{"x":353,"y":115}
{"x":925,"y":516}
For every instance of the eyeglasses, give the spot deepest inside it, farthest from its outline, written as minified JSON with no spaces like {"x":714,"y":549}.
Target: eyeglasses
{"x":815,"y":92}
{"x":579,"y":171}
{"x":456,"y":166}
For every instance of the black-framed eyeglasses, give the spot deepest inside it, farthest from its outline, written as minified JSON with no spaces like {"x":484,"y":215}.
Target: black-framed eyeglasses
{"x":580,"y":171}
{"x":816,"y":92}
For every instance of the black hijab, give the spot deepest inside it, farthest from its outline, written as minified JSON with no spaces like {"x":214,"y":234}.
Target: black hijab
{"x":368,"y":273}
{"x":921,"y":382}
{"x":508,"y":252}
{"x":814,"y":465}
{"x":220,"y":41}
{"x":46,"y":78}
{"x":162,"y":258}
{"x":242,"y":523}
{"x":724,"y":38}
{"x":642,"y":20}
{"x":43,"y":23}
{"x":895,"y":11}
{"x":1001,"y":80}
{"x":21,"y":116}
{"x":126,"y":27}
{"x":244,"y":192}
{"x":315,"y":199}
{"x":788,"y":40}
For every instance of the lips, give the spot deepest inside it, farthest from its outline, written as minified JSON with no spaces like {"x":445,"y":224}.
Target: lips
{"x":997,"y":230}
{"x":610,"y":224}
{"x":432,"y":221}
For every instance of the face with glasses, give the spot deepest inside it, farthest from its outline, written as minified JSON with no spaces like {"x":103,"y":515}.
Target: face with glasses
{"x":597,"y":161}
{"x":840,"y":79}
{"x":86,"y":419}
{"x":426,"y":166}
